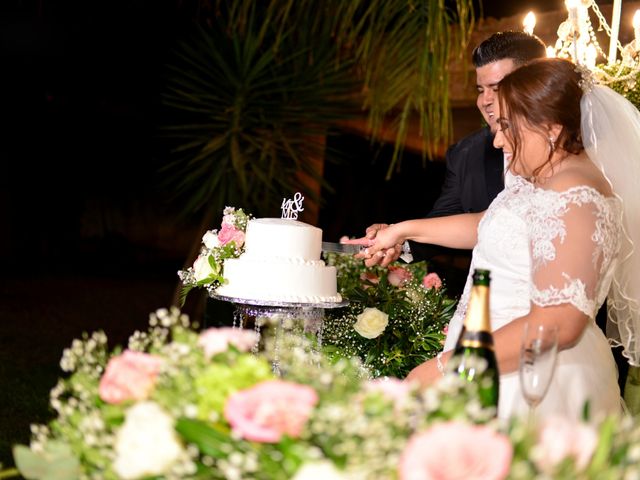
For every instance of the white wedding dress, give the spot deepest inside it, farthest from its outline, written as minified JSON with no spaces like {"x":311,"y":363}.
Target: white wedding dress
{"x":551,"y":248}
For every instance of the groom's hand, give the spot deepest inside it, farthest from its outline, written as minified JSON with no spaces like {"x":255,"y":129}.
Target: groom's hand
{"x":382,"y":257}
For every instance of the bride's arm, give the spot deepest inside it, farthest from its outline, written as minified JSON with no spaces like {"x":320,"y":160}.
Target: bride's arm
{"x":454,"y":231}
{"x":570,"y":322}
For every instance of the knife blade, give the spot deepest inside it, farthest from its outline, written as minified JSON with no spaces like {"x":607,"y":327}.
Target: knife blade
{"x":341,"y":248}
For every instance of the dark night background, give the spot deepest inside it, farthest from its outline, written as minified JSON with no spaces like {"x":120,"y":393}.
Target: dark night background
{"x":80,"y":93}
{"x":88,"y":237}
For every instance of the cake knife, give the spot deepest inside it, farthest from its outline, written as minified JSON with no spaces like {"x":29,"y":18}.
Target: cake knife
{"x":341,"y":248}
{"x":351,"y":246}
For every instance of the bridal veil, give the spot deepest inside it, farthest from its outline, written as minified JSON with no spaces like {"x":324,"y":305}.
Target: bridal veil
{"x":610,"y":127}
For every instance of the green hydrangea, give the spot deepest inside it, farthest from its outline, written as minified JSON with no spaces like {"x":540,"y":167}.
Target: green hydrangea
{"x":218,"y":381}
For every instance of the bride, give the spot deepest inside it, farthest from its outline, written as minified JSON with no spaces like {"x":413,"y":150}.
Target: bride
{"x":556,"y":240}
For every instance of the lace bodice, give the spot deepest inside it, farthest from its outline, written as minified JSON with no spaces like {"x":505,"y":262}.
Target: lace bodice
{"x":547,"y":248}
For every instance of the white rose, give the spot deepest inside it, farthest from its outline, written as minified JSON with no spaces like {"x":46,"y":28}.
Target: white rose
{"x":322,"y":470}
{"x":201,"y":268}
{"x":371,"y":323}
{"x":210,"y":239}
{"x":146,"y":444}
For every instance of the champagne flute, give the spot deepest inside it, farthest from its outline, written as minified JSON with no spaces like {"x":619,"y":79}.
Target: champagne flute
{"x":538,"y":353}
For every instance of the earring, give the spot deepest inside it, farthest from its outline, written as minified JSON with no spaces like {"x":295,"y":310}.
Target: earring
{"x":552,"y":144}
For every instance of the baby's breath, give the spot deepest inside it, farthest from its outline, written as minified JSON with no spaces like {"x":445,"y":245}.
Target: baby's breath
{"x":359,"y":431}
{"x":417,"y":317}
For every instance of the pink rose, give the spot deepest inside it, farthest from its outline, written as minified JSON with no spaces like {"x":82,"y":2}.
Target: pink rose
{"x":398,"y":276}
{"x":129,"y":376}
{"x":229,"y":233}
{"x":456,"y":450}
{"x":560,"y":438}
{"x":431,"y":280}
{"x":392,"y":388}
{"x":270,"y":409}
{"x":217,"y":340}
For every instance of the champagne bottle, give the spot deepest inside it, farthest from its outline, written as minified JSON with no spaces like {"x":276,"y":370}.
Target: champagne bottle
{"x":474,"y":358}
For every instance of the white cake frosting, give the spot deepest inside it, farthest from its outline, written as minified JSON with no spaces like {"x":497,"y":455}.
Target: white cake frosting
{"x":281,"y":262}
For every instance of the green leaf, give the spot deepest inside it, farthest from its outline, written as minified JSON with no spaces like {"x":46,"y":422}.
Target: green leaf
{"x":56,"y":462}
{"x":601,"y":455}
{"x":209,"y":440}
{"x":184,"y":291}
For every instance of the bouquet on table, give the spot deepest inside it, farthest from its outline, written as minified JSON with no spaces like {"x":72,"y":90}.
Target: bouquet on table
{"x":396,"y":319}
{"x":217,"y":246}
{"x":183,"y":404}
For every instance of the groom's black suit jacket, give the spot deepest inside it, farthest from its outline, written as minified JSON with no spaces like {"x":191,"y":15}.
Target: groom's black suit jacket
{"x":473,"y":179}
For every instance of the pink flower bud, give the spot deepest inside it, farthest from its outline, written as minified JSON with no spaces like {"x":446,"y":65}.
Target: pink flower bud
{"x":398,"y":276}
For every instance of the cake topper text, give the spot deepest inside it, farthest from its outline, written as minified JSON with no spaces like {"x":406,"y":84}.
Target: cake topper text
{"x":291,"y":207}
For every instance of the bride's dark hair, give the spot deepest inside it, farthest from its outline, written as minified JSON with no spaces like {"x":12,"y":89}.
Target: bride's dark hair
{"x":544,"y":92}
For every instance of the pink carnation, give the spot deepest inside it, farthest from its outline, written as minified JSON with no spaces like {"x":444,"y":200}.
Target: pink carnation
{"x":270,"y":409}
{"x":229,"y":233}
{"x":129,"y":376}
{"x":560,"y":438}
{"x":456,"y":450}
{"x":431,"y":280}
{"x":217,"y":340}
{"x":398,"y":276}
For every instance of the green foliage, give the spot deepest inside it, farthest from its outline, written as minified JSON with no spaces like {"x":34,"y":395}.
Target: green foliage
{"x":417,"y":317}
{"x":355,"y":427}
{"x":55,"y":462}
{"x":628,"y":87}
{"x":220,"y":380}
{"x":257,"y":87}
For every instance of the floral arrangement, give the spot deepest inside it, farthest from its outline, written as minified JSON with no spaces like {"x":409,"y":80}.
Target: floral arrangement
{"x":178,"y":403}
{"x":217,"y":246}
{"x":396,"y":319}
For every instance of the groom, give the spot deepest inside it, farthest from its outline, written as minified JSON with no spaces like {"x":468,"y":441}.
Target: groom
{"x":474,"y":168}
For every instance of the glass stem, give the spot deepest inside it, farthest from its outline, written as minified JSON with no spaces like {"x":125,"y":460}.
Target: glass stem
{"x":532,"y":416}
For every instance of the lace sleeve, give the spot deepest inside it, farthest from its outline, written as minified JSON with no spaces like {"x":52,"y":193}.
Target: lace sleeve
{"x":574,"y":238}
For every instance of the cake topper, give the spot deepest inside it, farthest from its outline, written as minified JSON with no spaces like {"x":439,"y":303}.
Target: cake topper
{"x":291,"y":207}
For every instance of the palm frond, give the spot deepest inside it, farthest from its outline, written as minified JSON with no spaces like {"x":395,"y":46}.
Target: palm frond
{"x":261,"y":79}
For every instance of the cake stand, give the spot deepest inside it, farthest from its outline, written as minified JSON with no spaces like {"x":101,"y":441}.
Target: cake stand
{"x":294,"y":317}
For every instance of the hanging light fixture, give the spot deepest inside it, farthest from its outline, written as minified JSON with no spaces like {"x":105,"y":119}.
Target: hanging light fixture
{"x":577,"y":41}
{"x":529,"y":23}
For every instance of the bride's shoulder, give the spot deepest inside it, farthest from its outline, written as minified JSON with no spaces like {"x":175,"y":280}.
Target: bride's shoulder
{"x":579,"y":171}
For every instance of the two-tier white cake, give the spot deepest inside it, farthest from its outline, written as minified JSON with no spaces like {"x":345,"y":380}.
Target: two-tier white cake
{"x":281,"y":263}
